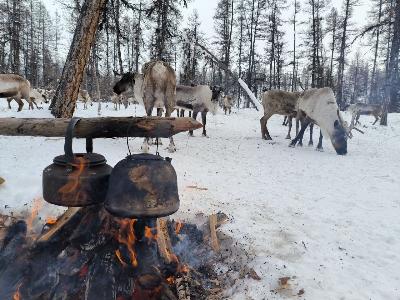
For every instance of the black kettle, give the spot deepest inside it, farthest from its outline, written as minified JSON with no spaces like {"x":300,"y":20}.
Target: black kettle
{"x":143,"y":186}
{"x":78,"y":179}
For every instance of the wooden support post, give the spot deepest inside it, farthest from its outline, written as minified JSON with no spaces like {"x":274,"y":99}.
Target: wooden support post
{"x":109,"y":127}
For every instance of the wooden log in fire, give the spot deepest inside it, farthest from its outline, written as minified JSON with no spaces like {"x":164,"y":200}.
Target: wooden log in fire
{"x":108,"y":127}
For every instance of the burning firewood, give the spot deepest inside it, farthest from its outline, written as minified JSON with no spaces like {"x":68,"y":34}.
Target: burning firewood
{"x":163,"y":241}
{"x":61,"y":222}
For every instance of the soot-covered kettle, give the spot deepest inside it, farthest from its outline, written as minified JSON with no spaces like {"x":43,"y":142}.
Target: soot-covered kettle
{"x":143,"y":186}
{"x":78,"y":179}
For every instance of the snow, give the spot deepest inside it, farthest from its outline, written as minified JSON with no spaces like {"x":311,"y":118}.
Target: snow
{"x":328,"y":222}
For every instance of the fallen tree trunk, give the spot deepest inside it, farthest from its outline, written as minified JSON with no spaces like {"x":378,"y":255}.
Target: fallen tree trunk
{"x":99,"y":127}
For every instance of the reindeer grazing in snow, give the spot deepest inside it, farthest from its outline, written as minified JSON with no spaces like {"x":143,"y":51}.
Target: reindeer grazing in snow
{"x":359,"y":109}
{"x":198,"y":98}
{"x":227,"y":103}
{"x":319,"y":106}
{"x":156,"y":87}
{"x":15,"y":87}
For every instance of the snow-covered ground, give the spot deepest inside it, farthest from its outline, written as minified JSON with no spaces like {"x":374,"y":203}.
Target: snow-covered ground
{"x":329,"y":222}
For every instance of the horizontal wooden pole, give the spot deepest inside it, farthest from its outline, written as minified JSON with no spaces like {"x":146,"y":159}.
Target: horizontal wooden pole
{"x":107,"y":127}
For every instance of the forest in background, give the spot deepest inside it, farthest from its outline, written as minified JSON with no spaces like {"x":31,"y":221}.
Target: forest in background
{"x":249,"y":40}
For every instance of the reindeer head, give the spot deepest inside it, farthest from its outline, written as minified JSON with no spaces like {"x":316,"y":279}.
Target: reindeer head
{"x":339,"y":137}
{"x":126,"y":83}
{"x":216,"y":91}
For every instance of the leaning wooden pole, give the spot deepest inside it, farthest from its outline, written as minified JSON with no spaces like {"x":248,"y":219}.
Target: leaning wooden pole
{"x":63,"y":103}
{"x":108,"y":127}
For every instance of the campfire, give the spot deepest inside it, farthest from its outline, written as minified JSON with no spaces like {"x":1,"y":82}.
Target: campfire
{"x":87,"y":253}
{"x":115,"y":240}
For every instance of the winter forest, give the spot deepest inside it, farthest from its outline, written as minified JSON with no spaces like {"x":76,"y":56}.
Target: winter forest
{"x":326,"y":47}
{"x":199,"y":149}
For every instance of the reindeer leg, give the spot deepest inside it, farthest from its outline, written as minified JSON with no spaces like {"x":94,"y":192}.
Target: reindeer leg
{"x":319,"y":147}
{"x":285,"y":121}
{"x":9,"y":103}
{"x":376,"y":119}
{"x":190,"y":113}
{"x":183,"y":113}
{"x":20,"y":103}
{"x":194,"y":117}
{"x":299,"y":137}
{"x":159,"y":114}
{"x":204,"y":121}
{"x":171,"y":146}
{"x":311,"y":142}
{"x":264,"y":130}
{"x":145,"y":147}
{"x":290,"y":119}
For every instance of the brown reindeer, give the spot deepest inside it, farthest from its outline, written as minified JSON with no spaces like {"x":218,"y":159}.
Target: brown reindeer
{"x":227,"y":103}
{"x":278,"y":102}
{"x":359,"y":109}
{"x":156,"y":87}
{"x":15,"y":87}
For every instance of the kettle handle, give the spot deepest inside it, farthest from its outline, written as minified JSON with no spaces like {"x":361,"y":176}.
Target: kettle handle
{"x":69,"y":134}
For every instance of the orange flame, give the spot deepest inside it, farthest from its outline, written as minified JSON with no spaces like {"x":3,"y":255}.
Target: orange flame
{"x":71,"y":191}
{"x":17,"y":295}
{"x":73,"y":180}
{"x":148,"y":233}
{"x":170,"y":280}
{"x":183,"y":268}
{"x":51,"y":220}
{"x":178,"y":227}
{"x":126,"y":236}
{"x":37,"y":206}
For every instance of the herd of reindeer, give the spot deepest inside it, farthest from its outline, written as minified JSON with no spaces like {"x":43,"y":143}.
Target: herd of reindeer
{"x":155,"y":87}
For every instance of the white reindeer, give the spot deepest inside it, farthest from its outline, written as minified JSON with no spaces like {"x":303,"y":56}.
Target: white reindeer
{"x":156,"y":87}
{"x":319,"y":106}
{"x":198,"y":98}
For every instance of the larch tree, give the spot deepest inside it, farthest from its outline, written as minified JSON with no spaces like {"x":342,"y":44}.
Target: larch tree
{"x":345,"y":26}
{"x":63,"y":104}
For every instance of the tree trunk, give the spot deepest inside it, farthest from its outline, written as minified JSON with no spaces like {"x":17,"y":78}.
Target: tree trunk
{"x":63,"y":104}
{"x":393,"y":70}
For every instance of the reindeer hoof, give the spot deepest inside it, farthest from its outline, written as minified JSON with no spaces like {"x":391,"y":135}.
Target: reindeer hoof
{"x":171,"y":148}
{"x":320,"y":149}
{"x":292,"y":145}
{"x":145,"y":148}
{"x":300,"y":144}
{"x":205,"y":135}
{"x":288,"y":137}
{"x":310,"y":143}
{"x":190,"y":134}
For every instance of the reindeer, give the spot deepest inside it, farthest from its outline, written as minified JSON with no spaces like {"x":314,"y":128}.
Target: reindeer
{"x":359,"y":109}
{"x":278,"y":102}
{"x":319,"y":106}
{"x":15,"y":87}
{"x":156,"y":87}
{"x":227,"y":104}
{"x":199,"y":98}
{"x":84,"y":97}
